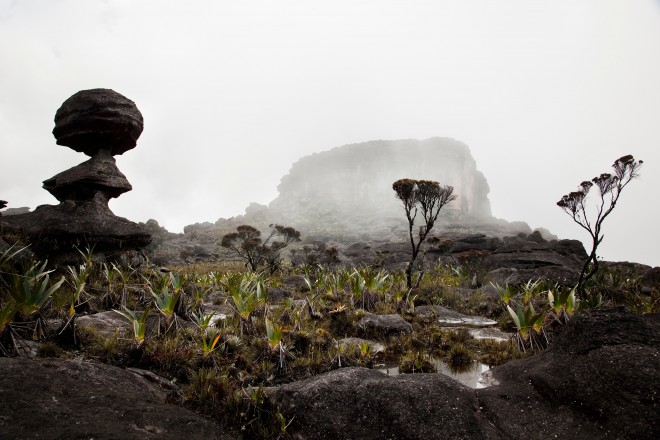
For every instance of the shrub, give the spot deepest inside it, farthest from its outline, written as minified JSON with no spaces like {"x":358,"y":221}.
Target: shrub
{"x":427,"y":197}
{"x":249,"y":245}
{"x":609,"y":188}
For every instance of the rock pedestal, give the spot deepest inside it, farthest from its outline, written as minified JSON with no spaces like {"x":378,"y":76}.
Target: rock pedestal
{"x":100,"y":123}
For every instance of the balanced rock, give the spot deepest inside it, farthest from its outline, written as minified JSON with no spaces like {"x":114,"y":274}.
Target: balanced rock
{"x":82,"y":182}
{"x":96,"y":119}
{"x":100,"y":123}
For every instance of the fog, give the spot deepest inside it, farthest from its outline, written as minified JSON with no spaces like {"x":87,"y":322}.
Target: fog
{"x":545,"y":94}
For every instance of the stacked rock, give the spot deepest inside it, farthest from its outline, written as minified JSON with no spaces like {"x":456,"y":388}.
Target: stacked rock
{"x":100,"y":123}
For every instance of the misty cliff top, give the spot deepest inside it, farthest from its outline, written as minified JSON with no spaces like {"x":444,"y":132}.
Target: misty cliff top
{"x":357,"y":179}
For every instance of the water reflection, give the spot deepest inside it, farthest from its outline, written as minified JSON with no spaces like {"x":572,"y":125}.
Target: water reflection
{"x":473,"y":376}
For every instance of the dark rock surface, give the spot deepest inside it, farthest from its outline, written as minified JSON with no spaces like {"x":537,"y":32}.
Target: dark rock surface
{"x":70,"y":399}
{"x":55,"y":231}
{"x":358,"y":403}
{"x":651,"y":278}
{"x":96,"y":119}
{"x":82,"y":182}
{"x":600,"y":379}
{"x":384,"y":324}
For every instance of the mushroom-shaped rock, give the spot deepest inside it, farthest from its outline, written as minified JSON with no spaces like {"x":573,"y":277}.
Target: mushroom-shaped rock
{"x":98,"y":119}
{"x":82,"y":182}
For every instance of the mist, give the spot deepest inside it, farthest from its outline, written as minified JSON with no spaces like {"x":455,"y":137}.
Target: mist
{"x":233,"y":94}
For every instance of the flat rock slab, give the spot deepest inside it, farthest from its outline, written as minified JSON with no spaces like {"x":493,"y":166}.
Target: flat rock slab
{"x":110,"y":323}
{"x":359,"y":403}
{"x":106,"y":324}
{"x":490,"y":333}
{"x":68,"y":399}
{"x":385,"y":324}
{"x":451,"y":318}
{"x":220,"y":312}
{"x":376,"y":347}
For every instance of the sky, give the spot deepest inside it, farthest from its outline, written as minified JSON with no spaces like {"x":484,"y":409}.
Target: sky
{"x":546,"y":94}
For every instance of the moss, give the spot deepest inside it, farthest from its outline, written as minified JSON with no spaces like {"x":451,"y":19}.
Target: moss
{"x":50,"y":349}
{"x":460,"y":357}
{"x":416,"y":362}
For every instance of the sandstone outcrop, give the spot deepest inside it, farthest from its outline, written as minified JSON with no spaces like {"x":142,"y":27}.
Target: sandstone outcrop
{"x":358,"y":403}
{"x":67,"y":399}
{"x":599,"y":379}
{"x":100,"y":123}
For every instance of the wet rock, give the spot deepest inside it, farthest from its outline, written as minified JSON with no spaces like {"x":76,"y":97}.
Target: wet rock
{"x":599,"y":379}
{"x":384,"y":324}
{"x":220,"y":312}
{"x":492,"y":333}
{"x":358,"y":403}
{"x":376,"y":347}
{"x":66,"y":399}
{"x":452,"y":318}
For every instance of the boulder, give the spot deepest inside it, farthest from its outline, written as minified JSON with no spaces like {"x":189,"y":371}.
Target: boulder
{"x":67,"y":399}
{"x":106,"y":324}
{"x":452,"y":318}
{"x":359,"y":403}
{"x":376,"y":347}
{"x":599,"y":379}
{"x":384,"y":324}
{"x":96,"y":119}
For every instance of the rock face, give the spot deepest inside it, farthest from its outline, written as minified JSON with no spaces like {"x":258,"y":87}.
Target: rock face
{"x":359,"y":177}
{"x":67,"y":399}
{"x":99,"y":123}
{"x":600,"y":379}
{"x":347,"y":191}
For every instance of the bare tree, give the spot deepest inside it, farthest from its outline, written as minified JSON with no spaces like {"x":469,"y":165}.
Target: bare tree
{"x":426,"y":197}
{"x":249,"y":245}
{"x":609,"y":187}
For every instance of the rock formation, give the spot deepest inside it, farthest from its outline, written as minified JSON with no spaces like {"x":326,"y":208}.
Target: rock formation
{"x":334,"y":192}
{"x":67,"y":399}
{"x":100,"y":123}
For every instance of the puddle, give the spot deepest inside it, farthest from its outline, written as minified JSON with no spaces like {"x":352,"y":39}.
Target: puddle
{"x":476,"y":376}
